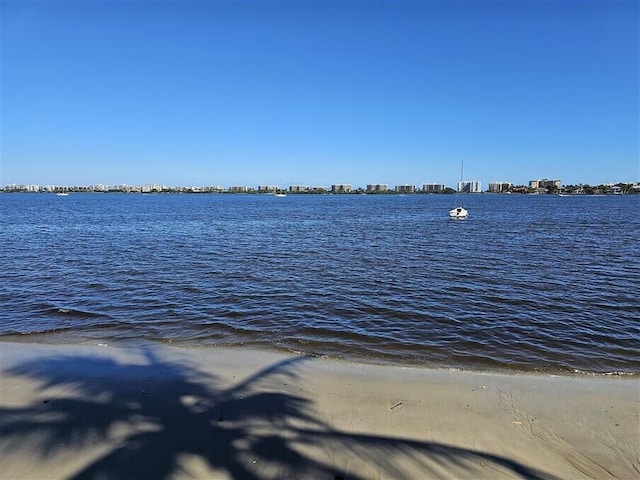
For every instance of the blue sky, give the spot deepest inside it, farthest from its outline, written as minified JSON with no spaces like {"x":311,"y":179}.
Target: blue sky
{"x":319,"y":92}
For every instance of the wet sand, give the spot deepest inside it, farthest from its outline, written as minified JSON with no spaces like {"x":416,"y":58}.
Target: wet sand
{"x":160,"y":412}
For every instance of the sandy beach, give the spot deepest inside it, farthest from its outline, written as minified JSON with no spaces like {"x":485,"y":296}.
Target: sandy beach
{"x":86,"y":411}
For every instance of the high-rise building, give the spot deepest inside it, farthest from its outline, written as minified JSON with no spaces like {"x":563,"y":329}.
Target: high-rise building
{"x":341,"y":188}
{"x":433,"y":187}
{"x":377,"y":188}
{"x":500,"y":187}
{"x":299,"y":188}
{"x":545,"y":184}
{"x":239,"y":189}
{"x":405,"y":188}
{"x":470,"y":186}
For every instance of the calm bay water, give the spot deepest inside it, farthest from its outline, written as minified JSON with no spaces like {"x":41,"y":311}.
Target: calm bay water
{"x":526,"y":283}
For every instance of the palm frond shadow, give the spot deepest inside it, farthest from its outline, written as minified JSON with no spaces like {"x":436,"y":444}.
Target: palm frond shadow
{"x":156,"y":413}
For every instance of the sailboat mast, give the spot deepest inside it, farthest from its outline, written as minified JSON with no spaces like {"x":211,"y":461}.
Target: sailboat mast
{"x":459,"y":211}
{"x":459,"y":189}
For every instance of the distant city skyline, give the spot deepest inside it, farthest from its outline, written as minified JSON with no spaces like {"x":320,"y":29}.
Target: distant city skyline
{"x":454,"y":185}
{"x":468,"y":186}
{"x":319,"y":93}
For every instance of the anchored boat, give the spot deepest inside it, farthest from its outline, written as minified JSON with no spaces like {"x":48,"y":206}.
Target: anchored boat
{"x":459,"y":212}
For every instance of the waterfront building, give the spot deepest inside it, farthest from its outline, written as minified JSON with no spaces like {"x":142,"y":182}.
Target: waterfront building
{"x":299,"y":189}
{"x":152,"y":188}
{"x":544,"y":184}
{"x":470,"y":186}
{"x":22,"y":188}
{"x":377,"y":188}
{"x":201,"y":189}
{"x":239,"y":189}
{"x":405,"y":188}
{"x":124,"y":188}
{"x":341,"y":188}
{"x":268,"y":188}
{"x":500,"y":187}
{"x":433,"y":187}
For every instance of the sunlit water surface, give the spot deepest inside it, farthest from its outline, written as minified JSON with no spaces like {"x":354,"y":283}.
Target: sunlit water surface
{"x":526,"y":283}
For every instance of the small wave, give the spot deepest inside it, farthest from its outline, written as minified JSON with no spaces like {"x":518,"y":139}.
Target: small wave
{"x":605,"y":374}
{"x":73,"y":313}
{"x":37,"y":333}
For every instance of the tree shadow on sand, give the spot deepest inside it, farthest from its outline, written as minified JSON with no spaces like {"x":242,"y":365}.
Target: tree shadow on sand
{"x":155,"y":414}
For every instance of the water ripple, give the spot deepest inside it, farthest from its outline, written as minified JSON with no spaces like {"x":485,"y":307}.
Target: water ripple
{"x":526,"y":283}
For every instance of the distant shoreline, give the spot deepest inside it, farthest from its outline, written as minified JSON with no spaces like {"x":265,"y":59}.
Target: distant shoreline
{"x":192,"y":191}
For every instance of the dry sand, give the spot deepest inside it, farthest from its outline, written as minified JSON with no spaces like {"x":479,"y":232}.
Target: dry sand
{"x":162,"y":412}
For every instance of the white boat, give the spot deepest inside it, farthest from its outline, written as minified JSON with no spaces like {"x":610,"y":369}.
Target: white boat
{"x":459,"y":212}
{"x":62,"y":194}
{"x":280,"y":195}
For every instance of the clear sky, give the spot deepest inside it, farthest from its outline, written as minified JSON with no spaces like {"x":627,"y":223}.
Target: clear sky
{"x":319,"y":92}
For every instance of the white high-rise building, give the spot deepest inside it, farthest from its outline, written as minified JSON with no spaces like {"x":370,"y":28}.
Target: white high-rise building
{"x":470,"y":186}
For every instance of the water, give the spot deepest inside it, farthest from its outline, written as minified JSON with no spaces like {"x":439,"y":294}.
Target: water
{"x":527,"y":283}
